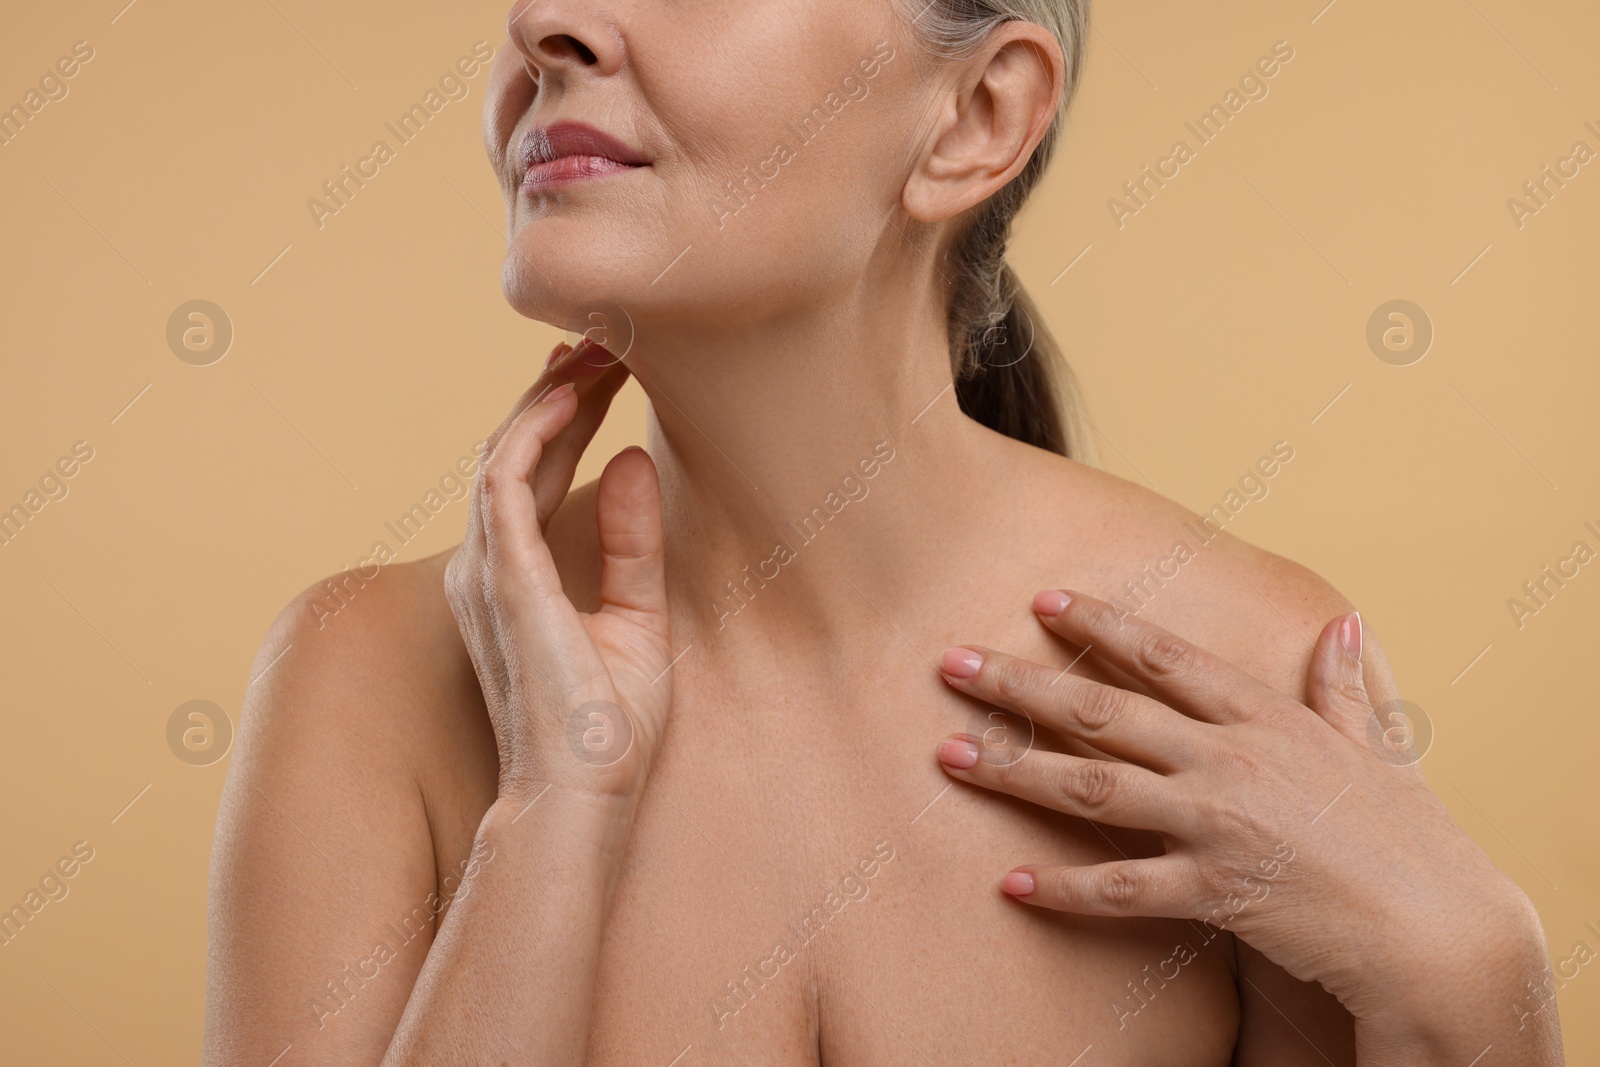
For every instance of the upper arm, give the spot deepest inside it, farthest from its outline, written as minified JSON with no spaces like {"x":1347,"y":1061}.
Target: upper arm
{"x":323,"y":877}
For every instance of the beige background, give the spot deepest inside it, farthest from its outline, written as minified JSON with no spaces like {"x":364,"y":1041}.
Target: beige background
{"x":1227,"y":314}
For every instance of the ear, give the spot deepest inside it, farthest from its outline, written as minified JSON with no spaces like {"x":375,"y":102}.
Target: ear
{"x":999,"y":110}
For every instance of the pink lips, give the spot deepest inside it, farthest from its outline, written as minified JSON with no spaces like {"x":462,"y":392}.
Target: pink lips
{"x":573,"y":151}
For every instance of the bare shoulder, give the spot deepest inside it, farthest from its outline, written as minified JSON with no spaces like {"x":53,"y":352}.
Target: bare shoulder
{"x":371,"y":663}
{"x":364,"y":762}
{"x":1189,"y":573}
{"x":348,"y":796}
{"x":363,"y":716}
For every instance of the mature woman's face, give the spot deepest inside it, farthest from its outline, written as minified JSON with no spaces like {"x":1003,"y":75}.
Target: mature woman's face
{"x":759,"y":146}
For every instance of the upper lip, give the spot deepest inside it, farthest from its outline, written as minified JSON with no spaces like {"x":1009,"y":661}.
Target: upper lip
{"x":542,"y":144}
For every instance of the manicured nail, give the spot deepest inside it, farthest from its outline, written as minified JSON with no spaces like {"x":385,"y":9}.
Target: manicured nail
{"x":557,"y":393}
{"x":1018,"y":884}
{"x":1051,"y":602}
{"x":1350,"y":635}
{"x":556,"y":353}
{"x":960,"y":662}
{"x":959,"y":753}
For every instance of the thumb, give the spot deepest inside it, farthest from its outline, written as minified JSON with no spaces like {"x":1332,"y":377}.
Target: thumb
{"x":633,"y":580}
{"x":1336,"y":689}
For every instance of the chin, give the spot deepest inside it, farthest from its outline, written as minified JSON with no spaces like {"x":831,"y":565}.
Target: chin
{"x":559,"y":281}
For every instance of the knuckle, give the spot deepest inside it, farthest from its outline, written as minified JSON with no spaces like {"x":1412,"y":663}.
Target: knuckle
{"x":460,"y":578}
{"x":1095,"y":616}
{"x":1012,"y":681}
{"x":1100,"y":707}
{"x":1066,"y":885}
{"x":1350,"y":690}
{"x":1163,"y":654}
{"x":1091,"y":783}
{"x":495,"y":478}
{"x":1121,"y":888}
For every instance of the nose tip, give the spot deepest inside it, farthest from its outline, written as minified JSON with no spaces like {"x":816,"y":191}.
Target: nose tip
{"x":553,"y":35}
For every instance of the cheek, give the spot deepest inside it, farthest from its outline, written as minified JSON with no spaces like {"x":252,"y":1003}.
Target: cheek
{"x":506,"y":100}
{"x":769,"y":180}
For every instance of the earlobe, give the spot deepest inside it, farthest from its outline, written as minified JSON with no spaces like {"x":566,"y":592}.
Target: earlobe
{"x":1001,"y":108}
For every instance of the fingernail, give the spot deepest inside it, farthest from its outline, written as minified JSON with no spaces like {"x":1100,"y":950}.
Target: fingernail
{"x":960,"y":662}
{"x":591,"y":360}
{"x":557,"y":393}
{"x":556,"y":353}
{"x":1051,"y":602}
{"x":1350,"y":635}
{"x":1018,"y":884}
{"x":959,"y":753}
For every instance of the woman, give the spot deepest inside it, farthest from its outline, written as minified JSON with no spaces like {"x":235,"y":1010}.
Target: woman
{"x":643,"y":772}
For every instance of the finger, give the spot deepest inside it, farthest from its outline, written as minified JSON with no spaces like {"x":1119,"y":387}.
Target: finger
{"x":531,"y":395}
{"x":633,"y":580}
{"x":1113,"y":720}
{"x":566,"y":364}
{"x":474,"y":539}
{"x":1119,"y":794}
{"x":1336,"y":690}
{"x":514,"y":539}
{"x":1162,"y":886}
{"x":597,"y":377}
{"x":1185,"y":675}
{"x":1379,"y":676}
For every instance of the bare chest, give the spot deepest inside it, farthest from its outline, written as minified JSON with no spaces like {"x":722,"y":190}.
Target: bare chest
{"x":811,"y":888}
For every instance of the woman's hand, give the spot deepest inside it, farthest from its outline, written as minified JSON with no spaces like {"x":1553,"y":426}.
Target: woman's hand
{"x":1280,"y":822}
{"x":578,"y":700}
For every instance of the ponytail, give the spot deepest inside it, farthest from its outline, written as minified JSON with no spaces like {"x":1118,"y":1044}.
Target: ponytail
{"x":1014,"y":381}
{"x":1009,"y":372}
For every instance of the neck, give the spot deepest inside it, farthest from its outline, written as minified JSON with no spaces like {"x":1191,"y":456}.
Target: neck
{"x":802,"y":467}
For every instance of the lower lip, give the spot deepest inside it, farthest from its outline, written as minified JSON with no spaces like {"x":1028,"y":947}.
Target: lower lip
{"x":570,"y":169}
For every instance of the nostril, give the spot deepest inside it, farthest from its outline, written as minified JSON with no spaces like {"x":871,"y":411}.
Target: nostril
{"x":565,"y":46}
